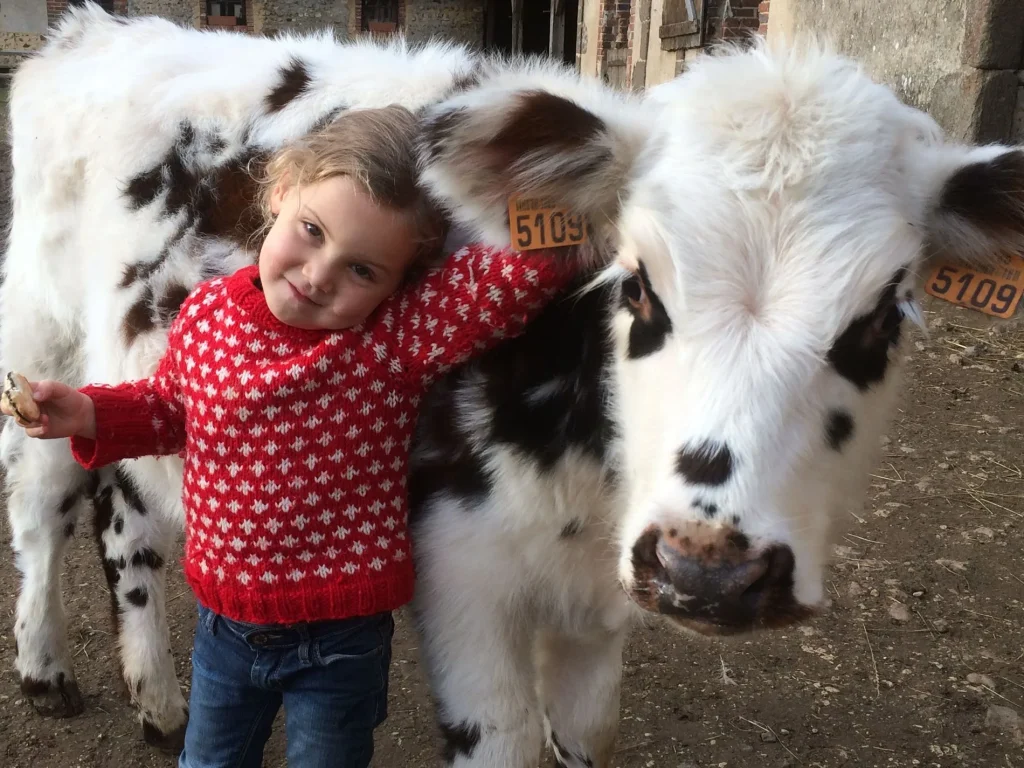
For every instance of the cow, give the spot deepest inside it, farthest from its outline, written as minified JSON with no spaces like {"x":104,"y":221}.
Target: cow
{"x":679,"y":434}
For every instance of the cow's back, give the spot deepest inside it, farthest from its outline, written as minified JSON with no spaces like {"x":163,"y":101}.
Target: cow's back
{"x":124,"y":166}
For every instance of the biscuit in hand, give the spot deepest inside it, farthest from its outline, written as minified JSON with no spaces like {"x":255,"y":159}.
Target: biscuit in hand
{"x":17,"y":400}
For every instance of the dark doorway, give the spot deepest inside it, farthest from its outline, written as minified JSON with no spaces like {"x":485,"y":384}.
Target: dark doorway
{"x":536,"y":27}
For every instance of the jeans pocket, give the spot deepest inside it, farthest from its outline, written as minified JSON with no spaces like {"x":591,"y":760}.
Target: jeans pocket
{"x":207,"y":620}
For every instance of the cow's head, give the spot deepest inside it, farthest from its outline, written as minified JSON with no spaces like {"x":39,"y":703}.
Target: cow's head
{"x":770,"y":216}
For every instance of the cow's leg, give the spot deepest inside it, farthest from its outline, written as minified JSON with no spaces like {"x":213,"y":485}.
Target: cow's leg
{"x":46,"y":493}
{"x":580,"y":677}
{"x":135,"y":542}
{"x":477,"y":645}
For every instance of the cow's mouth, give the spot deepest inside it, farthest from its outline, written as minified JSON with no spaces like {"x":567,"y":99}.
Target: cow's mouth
{"x":729,"y":593}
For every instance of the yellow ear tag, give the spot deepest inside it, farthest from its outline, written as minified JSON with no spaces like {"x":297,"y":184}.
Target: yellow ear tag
{"x":535,"y":223}
{"x":995,"y":293}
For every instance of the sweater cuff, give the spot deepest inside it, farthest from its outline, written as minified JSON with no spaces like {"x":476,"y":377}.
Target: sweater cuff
{"x":124,"y":429}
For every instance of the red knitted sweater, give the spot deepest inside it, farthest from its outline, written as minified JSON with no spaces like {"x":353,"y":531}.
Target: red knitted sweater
{"x":296,"y":442}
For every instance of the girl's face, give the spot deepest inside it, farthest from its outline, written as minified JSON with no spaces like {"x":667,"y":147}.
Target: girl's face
{"x":332,"y":255}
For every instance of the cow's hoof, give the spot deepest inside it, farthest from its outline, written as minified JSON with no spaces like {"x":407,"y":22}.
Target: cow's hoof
{"x":60,"y":698}
{"x":171,"y":742}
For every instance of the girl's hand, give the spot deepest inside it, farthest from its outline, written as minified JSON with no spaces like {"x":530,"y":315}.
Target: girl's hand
{"x":64,"y":412}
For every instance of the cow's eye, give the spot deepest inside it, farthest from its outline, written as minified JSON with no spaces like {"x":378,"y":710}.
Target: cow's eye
{"x":633,"y":291}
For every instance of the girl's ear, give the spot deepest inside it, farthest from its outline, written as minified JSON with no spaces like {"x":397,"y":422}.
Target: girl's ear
{"x":278,"y":193}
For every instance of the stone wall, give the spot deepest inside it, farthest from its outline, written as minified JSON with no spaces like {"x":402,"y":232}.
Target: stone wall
{"x":272,"y":16}
{"x":461,"y":21}
{"x":180,"y":11}
{"x":956,"y":59}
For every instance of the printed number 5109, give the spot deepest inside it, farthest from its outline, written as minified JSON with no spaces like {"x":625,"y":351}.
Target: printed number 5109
{"x":995,"y":293}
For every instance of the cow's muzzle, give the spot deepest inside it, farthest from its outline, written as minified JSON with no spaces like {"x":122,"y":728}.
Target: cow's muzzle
{"x":711,"y":580}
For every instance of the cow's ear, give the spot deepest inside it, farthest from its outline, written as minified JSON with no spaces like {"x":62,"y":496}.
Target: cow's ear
{"x":977,"y":214}
{"x":479,"y":149}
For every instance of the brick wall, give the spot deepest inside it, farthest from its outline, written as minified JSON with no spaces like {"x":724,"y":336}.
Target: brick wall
{"x":735,"y":19}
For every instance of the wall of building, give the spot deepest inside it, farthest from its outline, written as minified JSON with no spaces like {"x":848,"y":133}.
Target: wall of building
{"x":649,"y":58}
{"x":271,"y":16}
{"x":956,"y":59}
{"x":461,"y":21}
{"x":180,"y":11}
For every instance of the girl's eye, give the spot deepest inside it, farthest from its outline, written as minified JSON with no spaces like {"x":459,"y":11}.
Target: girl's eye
{"x":362,"y":272}
{"x":313,"y":230}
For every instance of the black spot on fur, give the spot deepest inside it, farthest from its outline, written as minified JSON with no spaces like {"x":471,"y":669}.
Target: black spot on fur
{"x":651,"y":323}
{"x":989,"y":195}
{"x":69,"y":502}
{"x":464,"y":82}
{"x":144,"y":188}
{"x":562,"y":754}
{"x":118,"y":526}
{"x":139,"y":318}
{"x":129,"y":490}
{"x":708,"y":508}
{"x":147,"y":558}
{"x":839,"y":429}
{"x":104,"y":505}
{"x":545,"y":392}
{"x":295,"y":80}
{"x":327,"y":119}
{"x":546,"y":387}
{"x":572,"y":528}
{"x":708,"y":463}
{"x":137,"y":597}
{"x":459,"y":740}
{"x":447,"y":462}
{"x":861,"y":353}
{"x":437,"y":133}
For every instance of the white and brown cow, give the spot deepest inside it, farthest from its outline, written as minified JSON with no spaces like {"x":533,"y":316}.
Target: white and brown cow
{"x":680,"y":433}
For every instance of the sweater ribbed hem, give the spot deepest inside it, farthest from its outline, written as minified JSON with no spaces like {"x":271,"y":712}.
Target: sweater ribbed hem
{"x":338,"y":599}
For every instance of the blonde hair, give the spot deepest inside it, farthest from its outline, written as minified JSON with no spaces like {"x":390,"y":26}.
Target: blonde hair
{"x":377,"y":149}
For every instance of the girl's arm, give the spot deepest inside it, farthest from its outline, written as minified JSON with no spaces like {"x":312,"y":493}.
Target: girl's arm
{"x":479,"y":297}
{"x":137,"y":418}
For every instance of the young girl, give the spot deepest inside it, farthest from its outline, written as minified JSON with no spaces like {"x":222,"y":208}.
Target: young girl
{"x":292,"y":388}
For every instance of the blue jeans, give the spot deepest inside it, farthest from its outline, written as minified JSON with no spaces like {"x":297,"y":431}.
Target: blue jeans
{"x":331,"y":676}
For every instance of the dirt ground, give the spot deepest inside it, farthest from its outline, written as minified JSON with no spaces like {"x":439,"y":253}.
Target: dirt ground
{"x":920,"y":661}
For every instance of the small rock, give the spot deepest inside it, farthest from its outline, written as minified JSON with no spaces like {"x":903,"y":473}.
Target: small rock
{"x":918,"y":593}
{"x":899,"y":612}
{"x":955,"y":359}
{"x":986,"y":533}
{"x":769,"y":738}
{"x":940,"y":625}
{"x":1016,"y":368}
{"x":923,"y":484}
{"x":971,"y":351}
{"x":1006,"y":720}
{"x":855,"y":589}
{"x":975,"y":679}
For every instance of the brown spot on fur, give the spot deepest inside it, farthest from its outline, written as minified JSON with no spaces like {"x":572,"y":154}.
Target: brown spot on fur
{"x":139,"y":319}
{"x":232,"y":210}
{"x":170,"y":302}
{"x":294,"y":82}
{"x":544,"y":120}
